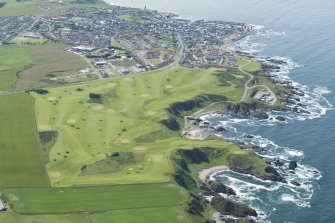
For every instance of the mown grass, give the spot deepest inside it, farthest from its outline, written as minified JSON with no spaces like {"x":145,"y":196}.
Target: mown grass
{"x":90,"y":131}
{"x":20,"y":154}
{"x":94,"y":199}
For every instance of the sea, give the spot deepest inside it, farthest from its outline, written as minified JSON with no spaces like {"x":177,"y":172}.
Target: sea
{"x":300,"y":34}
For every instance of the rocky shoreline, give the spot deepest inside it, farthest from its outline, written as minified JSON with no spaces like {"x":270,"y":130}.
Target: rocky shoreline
{"x":217,"y":195}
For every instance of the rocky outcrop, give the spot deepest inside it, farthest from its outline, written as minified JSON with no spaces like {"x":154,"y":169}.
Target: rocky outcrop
{"x":281,"y":118}
{"x":227,"y":207}
{"x":292,"y":165}
{"x":260,"y":114}
{"x":295,"y":183}
{"x":219,"y":187}
{"x":246,"y":166}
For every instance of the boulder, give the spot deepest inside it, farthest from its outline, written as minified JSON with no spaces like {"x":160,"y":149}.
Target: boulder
{"x":294,"y":182}
{"x":219,"y":187}
{"x":278,"y":163}
{"x":292,"y":165}
{"x":261,"y":115}
{"x":281,"y":118}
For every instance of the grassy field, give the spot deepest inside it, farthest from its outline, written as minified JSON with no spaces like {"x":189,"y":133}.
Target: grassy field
{"x":94,"y":199}
{"x":31,"y":66}
{"x":160,"y":214}
{"x":12,"y":60}
{"x":48,"y":60}
{"x":20,"y":155}
{"x":30,"y":41}
{"x":252,"y":66}
{"x":64,"y":218}
{"x":131,"y":107}
{"x":167,"y":214}
{"x":132,"y":18}
{"x":14,"y":8}
{"x":45,"y":7}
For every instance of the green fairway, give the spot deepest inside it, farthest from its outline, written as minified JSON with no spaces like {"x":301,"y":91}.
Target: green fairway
{"x":126,"y":120}
{"x":92,"y":199}
{"x":20,"y":155}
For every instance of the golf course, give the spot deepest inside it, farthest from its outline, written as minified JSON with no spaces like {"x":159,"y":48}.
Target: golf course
{"x":78,"y":149}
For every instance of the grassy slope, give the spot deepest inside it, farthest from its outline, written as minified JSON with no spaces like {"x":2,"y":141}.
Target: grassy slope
{"x":88,"y":131}
{"x":92,"y":199}
{"x":21,"y":160}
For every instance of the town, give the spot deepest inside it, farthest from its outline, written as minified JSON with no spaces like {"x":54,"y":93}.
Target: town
{"x":120,"y":40}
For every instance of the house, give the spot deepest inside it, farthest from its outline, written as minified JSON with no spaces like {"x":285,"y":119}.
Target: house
{"x":101,"y":63}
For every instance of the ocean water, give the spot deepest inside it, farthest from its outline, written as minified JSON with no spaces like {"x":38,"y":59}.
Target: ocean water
{"x":305,"y":34}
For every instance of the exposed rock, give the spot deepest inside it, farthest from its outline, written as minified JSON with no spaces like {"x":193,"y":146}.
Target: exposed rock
{"x":248,"y":136}
{"x":293,"y":165}
{"x":261,"y":115}
{"x":294,"y":182}
{"x":281,"y":118}
{"x":219,"y":187}
{"x":227,"y":207}
{"x":238,"y":220}
{"x":270,"y":169}
{"x":279,"y":163}
{"x":221,"y":129}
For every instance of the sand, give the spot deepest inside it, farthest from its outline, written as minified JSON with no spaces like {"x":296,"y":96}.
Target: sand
{"x":206,"y":173}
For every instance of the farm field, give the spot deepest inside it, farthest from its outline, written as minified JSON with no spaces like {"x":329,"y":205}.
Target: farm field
{"x":12,"y":60}
{"x":140,"y":215}
{"x":20,"y":155}
{"x":45,"y":7}
{"x":33,"y":66}
{"x":48,"y":60}
{"x":160,"y":214}
{"x":93,"y":199}
{"x":125,"y":120}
